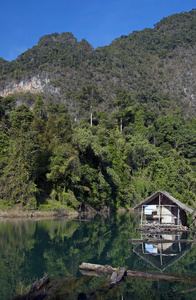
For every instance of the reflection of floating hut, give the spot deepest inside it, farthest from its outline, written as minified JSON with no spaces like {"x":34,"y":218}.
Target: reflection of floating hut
{"x":163,"y":210}
{"x":163,"y":255}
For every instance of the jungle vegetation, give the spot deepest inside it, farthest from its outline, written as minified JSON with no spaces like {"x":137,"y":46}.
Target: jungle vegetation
{"x":48,"y":161}
{"x":141,"y":92}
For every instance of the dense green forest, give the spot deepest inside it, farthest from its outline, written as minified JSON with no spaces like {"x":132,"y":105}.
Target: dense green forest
{"x":48,"y":161}
{"x":141,"y":92}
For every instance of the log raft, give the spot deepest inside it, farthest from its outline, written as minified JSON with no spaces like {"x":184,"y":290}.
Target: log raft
{"x":115,"y":275}
{"x":160,"y":241}
{"x":163,"y":229}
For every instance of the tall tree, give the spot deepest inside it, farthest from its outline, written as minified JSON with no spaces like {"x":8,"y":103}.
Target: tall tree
{"x":39,"y":108}
{"x":18,"y":174}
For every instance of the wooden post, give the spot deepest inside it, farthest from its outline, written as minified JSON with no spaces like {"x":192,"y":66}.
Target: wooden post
{"x":161,"y":258}
{"x":142,"y":211}
{"x":159,"y":209}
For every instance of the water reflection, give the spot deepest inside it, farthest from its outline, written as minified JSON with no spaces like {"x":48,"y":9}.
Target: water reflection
{"x":30,"y":249}
{"x":162,"y":251}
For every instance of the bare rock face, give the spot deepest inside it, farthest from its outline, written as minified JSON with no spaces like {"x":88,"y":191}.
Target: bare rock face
{"x":34,"y":84}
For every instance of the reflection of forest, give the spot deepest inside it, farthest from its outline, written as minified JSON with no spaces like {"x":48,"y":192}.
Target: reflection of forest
{"x":31,"y":249}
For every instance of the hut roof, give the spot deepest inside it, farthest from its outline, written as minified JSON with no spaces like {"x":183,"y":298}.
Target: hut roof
{"x":166,"y":194}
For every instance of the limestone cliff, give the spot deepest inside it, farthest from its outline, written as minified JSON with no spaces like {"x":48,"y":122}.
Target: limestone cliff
{"x":33,"y":84}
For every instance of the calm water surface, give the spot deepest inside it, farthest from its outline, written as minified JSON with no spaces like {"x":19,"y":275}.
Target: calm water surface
{"x":31,"y":249}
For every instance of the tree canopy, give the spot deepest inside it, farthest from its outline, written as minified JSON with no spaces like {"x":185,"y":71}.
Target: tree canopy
{"x":47,"y":160}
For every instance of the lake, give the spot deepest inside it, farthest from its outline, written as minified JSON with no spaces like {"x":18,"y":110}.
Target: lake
{"x":30,"y":249}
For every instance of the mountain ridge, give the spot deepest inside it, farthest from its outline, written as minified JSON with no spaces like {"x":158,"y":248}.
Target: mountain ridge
{"x":100,"y":128}
{"x":150,"y":64}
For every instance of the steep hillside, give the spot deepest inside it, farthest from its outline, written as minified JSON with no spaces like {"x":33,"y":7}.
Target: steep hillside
{"x":142,"y":137}
{"x":153,"y":66}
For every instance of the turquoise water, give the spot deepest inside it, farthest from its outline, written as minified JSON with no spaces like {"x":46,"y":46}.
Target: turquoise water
{"x":30,"y":249}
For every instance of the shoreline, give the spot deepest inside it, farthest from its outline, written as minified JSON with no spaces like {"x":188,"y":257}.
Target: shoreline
{"x":35,"y":214}
{"x":18,"y":213}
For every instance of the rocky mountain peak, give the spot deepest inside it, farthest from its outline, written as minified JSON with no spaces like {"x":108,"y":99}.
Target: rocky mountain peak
{"x":64,"y":37}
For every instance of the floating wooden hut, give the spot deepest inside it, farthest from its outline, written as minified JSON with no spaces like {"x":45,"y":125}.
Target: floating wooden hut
{"x":163,"y":210}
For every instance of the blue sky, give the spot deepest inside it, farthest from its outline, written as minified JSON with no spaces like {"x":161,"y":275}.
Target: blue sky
{"x":23,"y":22}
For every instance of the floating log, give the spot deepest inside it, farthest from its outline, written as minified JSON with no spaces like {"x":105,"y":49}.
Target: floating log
{"x":117,"y":276}
{"x":184,"y":292}
{"x":50,"y":288}
{"x":37,"y":288}
{"x":103,"y":271}
{"x":157,"y":276}
{"x":160,"y":241}
{"x":91,"y":269}
{"x":39,"y":284}
{"x":98,"y":268}
{"x":93,"y":273}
